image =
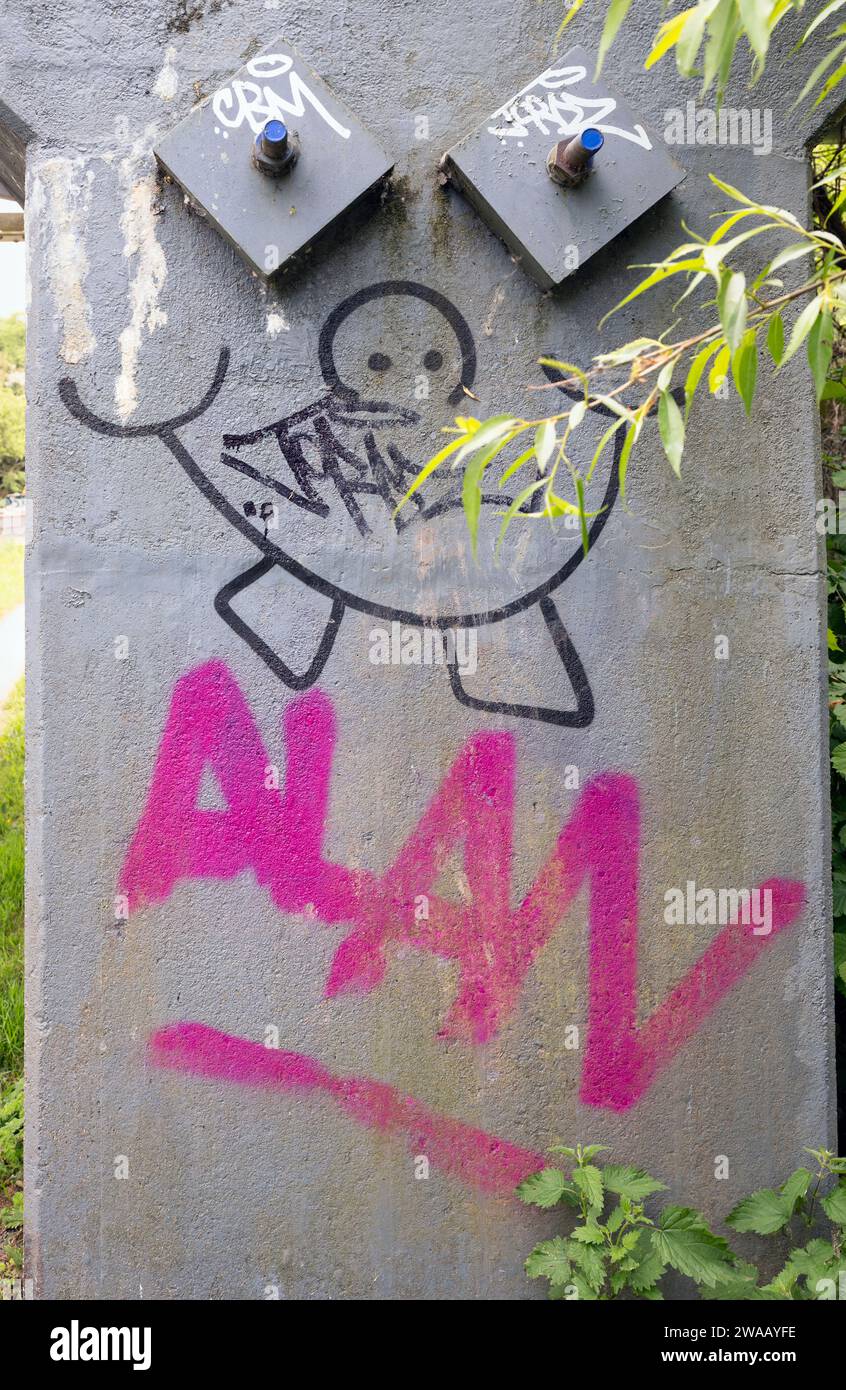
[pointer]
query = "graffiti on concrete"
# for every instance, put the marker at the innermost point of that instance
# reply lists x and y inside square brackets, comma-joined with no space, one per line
[456,1149]
[340,451]
[258,102]
[343,439]
[553,105]
[341,461]
[279,833]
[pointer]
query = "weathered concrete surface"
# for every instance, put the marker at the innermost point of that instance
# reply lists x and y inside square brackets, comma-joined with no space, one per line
[303,1184]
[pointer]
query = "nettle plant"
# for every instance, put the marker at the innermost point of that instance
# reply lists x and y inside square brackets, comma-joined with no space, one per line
[745,311]
[615,1247]
[816,1270]
[837,732]
[616,1250]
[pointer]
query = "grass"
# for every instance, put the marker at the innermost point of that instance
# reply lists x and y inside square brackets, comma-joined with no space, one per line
[11,982]
[11,881]
[11,575]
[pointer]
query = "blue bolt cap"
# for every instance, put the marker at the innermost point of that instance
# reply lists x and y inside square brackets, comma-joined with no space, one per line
[592,139]
[275,132]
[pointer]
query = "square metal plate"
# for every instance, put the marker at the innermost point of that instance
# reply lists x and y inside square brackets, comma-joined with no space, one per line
[501,168]
[272,221]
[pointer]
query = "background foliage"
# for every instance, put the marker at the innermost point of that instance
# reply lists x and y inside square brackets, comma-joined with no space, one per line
[12,404]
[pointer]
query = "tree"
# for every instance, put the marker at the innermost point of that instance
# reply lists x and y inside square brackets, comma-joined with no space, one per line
[12,403]
[12,344]
[744,314]
[12,408]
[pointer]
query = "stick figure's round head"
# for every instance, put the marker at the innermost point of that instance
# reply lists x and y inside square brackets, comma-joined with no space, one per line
[358,361]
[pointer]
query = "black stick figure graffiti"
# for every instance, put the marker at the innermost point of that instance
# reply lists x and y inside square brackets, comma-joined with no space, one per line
[335,444]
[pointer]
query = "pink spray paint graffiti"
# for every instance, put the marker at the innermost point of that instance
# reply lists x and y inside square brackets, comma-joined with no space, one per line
[457,1149]
[279,835]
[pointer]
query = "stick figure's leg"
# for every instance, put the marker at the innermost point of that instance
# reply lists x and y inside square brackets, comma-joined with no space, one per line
[292,679]
[578,718]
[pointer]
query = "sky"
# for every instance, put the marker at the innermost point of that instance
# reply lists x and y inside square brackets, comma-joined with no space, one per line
[12,278]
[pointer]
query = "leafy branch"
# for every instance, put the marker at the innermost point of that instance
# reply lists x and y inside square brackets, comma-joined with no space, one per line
[741,316]
[705,38]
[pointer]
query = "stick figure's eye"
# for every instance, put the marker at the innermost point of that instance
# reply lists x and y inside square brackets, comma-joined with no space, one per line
[433,361]
[378,362]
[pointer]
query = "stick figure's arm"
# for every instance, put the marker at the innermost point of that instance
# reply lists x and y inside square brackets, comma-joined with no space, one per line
[164,428]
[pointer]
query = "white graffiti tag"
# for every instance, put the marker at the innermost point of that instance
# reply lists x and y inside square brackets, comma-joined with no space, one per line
[560,112]
[256,104]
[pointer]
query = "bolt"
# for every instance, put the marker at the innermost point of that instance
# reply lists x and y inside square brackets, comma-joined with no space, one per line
[274,139]
[275,151]
[570,161]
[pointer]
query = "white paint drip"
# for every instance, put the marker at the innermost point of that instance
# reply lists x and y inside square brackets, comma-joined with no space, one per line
[167,83]
[58,204]
[150,271]
[276,324]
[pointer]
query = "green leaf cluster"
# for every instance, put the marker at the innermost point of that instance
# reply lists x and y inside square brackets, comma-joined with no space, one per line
[12,401]
[836,547]
[11,1129]
[615,1246]
[813,1270]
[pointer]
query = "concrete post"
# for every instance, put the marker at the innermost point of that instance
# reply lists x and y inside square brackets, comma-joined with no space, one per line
[331,932]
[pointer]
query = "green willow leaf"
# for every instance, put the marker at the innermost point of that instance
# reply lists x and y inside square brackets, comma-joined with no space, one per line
[744,366]
[820,346]
[833,81]
[668,34]
[625,454]
[733,193]
[572,11]
[617,11]
[719,370]
[570,369]
[775,338]
[731,303]
[723,37]
[518,463]
[474,470]
[690,39]
[429,468]
[658,276]
[514,508]
[821,18]
[580,497]
[802,328]
[601,446]
[697,367]
[671,430]
[545,442]
[783,257]
[488,432]
[754,16]
[822,66]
